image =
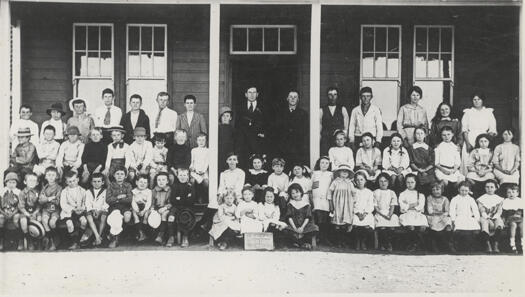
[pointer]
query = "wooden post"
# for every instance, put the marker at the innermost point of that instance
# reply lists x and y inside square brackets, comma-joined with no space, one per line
[5,80]
[520,94]
[315,81]
[213,142]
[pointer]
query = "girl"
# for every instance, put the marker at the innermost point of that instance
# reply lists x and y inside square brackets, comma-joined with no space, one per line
[490,209]
[321,179]
[363,208]
[411,115]
[479,165]
[247,212]
[513,214]
[385,201]
[396,162]
[231,179]
[341,196]
[447,159]
[368,157]
[438,218]
[94,155]
[225,223]
[299,218]
[279,182]
[464,214]
[445,117]
[268,213]
[300,175]
[341,154]
[422,160]
[507,160]
[257,177]
[412,206]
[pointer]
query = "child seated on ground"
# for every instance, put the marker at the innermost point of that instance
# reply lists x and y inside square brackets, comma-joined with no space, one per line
[72,203]
[396,162]
[364,206]
[513,215]
[298,215]
[490,210]
[47,150]
[9,200]
[96,207]
[181,217]
[29,207]
[141,205]
[119,197]
[247,212]
[70,153]
[268,213]
[385,201]
[321,180]
[257,177]
[464,214]
[341,154]
[368,157]
[161,194]
[49,199]
[439,222]
[225,223]
[412,206]
[94,155]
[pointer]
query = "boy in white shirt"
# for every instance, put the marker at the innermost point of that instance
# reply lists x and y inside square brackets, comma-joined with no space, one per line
[141,152]
[108,115]
[200,161]
[119,153]
[24,122]
[47,150]
[56,113]
[70,153]
[72,203]
[96,208]
[141,205]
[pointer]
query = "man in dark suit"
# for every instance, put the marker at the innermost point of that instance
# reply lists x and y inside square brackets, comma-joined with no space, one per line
[251,126]
[136,117]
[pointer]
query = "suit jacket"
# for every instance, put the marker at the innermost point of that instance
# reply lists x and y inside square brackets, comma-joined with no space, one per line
[142,121]
[197,125]
[249,125]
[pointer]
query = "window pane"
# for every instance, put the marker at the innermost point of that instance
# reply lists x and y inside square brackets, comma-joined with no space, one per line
[434,92]
[80,38]
[380,40]
[93,64]
[393,65]
[133,64]
[368,39]
[271,39]
[446,40]
[80,64]
[433,39]
[93,38]
[159,66]
[239,39]
[159,38]
[255,39]
[133,38]
[368,65]
[433,66]
[421,65]
[105,38]
[106,64]
[421,39]
[146,37]
[446,65]
[393,40]
[146,64]
[380,66]
[386,98]
[287,39]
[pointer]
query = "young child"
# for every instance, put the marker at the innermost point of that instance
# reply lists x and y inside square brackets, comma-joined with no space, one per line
[385,202]
[341,196]
[119,197]
[94,155]
[200,161]
[231,179]
[226,136]
[247,212]
[364,206]
[412,206]
[97,207]
[141,204]
[159,155]
[141,153]
[341,154]
[181,216]
[225,223]
[368,158]
[298,215]
[479,165]
[507,160]
[72,203]
[56,113]
[513,214]
[268,213]
[279,182]
[179,153]
[119,153]
[396,162]
[80,119]
[49,199]
[28,206]
[70,153]
[301,175]
[257,177]
[411,115]
[321,180]
[447,159]
[490,210]
[24,122]
[23,157]
[422,160]
[464,214]
[9,200]
[47,150]
[160,196]
[438,219]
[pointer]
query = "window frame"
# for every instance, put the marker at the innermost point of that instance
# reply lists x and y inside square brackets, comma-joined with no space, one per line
[153,51]
[74,50]
[387,26]
[263,52]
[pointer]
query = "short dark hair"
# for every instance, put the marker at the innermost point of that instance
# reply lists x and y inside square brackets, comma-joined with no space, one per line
[108,91]
[26,106]
[142,176]
[202,134]
[365,90]
[71,174]
[332,88]
[480,94]
[162,94]
[293,91]
[417,90]
[190,97]
[295,186]
[120,168]
[446,128]
[50,127]
[97,175]
[135,96]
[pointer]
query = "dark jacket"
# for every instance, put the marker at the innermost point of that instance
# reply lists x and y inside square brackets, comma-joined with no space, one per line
[142,121]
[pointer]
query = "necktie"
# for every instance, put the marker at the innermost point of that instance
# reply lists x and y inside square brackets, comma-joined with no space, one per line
[157,120]
[119,144]
[107,117]
[251,107]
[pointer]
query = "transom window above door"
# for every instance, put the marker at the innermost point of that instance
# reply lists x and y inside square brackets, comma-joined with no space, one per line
[263,39]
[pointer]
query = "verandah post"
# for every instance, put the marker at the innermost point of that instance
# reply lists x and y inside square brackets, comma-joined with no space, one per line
[213,142]
[5,80]
[315,80]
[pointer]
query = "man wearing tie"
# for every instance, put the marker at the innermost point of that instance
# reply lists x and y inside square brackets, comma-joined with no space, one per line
[163,119]
[108,115]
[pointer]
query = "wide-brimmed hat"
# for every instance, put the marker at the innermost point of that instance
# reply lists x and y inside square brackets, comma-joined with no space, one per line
[36,229]
[186,219]
[344,167]
[117,128]
[25,131]
[75,101]
[115,222]
[56,106]
[11,176]
[73,130]
[225,109]
[154,219]
[139,131]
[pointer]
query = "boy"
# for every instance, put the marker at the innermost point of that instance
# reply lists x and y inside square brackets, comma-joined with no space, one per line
[199,168]
[24,122]
[72,203]
[108,115]
[160,195]
[94,155]
[447,159]
[24,155]
[513,214]
[141,152]
[279,181]
[49,199]
[181,213]
[96,208]
[158,157]
[119,197]
[179,154]
[118,152]
[80,119]
[9,200]
[47,150]
[70,152]
[141,205]
[56,113]
[28,206]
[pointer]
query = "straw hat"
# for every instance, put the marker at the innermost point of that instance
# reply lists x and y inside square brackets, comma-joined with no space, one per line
[154,219]
[344,167]
[115,222]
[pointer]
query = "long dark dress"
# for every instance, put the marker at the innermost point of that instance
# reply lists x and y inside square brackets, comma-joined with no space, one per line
[435,132]
[292,141]
[226,144]
[259,178]
[298,216]
[422,158]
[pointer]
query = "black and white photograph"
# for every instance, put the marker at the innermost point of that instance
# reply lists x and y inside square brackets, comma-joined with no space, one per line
[261,147]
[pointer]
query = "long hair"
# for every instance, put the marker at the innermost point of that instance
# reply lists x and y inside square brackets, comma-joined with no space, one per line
[437,116]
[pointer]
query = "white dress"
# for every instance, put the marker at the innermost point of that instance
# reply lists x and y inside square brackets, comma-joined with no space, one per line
[464,213]
[269,213]
[369,157]
[248,224]
[341,155]
[224,218]
[446,154]
[383,200]
[506,155]
[231,179]
[476,122]
[320,184]
[412,215]
[364,203]
[396,159]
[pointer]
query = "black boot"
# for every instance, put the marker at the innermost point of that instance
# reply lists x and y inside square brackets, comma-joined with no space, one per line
[171,234]
[162,230]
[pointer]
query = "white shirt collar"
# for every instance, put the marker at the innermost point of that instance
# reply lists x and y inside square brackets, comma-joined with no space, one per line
[418,145]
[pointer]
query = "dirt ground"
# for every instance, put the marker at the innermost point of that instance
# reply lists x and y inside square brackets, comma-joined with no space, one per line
[198,271]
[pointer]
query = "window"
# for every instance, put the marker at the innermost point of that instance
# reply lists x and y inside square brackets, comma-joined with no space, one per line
[381,67]
[263,39]
[434,64]
[92,61]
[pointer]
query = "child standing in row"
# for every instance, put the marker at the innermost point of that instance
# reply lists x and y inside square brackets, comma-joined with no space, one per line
[119,154]
[119,197]
[141,205]
[49,199]
[69,156]
[490,209]
[385,201]
[268,213]
[23,157]
[422,160]
[447,159]
[341,196]
[479,165]
[28,206]
[161,194]
[412,206]
[9,199]
[141,153]
[438,217]
[72,203]
[181,217]
[247,212]
[225,223]
[321,180]
[464,214]
[364,206]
